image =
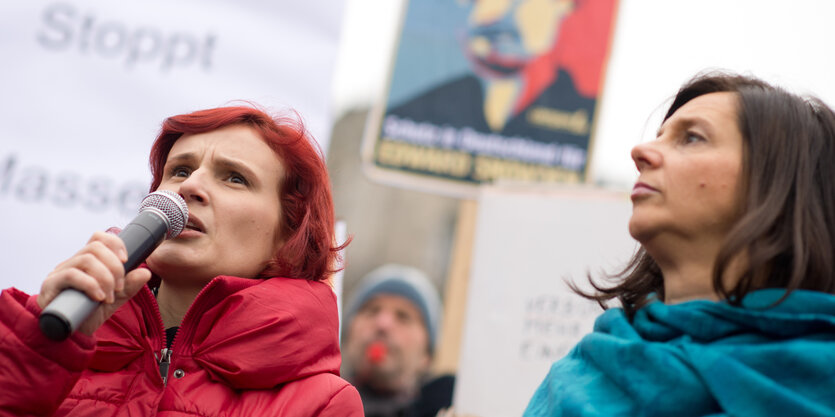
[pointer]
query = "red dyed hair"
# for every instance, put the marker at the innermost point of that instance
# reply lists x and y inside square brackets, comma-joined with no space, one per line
[307,220]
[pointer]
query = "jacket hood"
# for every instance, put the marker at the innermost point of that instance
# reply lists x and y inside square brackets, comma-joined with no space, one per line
[247,333]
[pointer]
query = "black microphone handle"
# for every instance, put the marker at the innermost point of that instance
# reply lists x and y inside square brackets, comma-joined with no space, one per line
[142,236]
[65,313]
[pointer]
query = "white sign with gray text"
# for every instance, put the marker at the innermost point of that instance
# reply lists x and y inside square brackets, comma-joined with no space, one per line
[86,85]
[521,316]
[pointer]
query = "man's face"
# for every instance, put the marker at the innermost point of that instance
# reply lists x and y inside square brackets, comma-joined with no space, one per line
[503,36]
[387,346]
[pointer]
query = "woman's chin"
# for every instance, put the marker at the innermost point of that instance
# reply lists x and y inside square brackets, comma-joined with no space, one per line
[639,230]
[167,263]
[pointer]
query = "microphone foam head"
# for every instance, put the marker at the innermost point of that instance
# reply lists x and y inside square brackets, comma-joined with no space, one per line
[172,207]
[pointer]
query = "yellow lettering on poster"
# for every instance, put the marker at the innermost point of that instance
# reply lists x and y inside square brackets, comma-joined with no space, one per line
[489,169]
[437,161]
[576,122]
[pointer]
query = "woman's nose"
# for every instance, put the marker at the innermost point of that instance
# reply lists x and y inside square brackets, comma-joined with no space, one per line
[193,188]
[646,156]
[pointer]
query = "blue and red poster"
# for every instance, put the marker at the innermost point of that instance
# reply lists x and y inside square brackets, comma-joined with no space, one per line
[483,90]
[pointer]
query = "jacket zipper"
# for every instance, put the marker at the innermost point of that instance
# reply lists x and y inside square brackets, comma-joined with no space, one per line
[164,359]
[165,364]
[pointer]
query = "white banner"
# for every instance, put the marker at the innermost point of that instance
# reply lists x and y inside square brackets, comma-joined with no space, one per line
[521,316]
[86,85]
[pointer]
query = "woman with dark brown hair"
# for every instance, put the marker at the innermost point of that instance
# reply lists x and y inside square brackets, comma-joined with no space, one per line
[727,308]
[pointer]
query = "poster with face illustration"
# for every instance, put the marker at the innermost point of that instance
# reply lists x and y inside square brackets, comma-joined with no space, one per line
[487,90]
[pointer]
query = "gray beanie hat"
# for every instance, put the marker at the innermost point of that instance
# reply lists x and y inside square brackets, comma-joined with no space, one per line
[406,282]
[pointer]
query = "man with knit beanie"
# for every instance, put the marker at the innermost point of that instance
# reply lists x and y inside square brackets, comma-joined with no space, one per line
[391,330]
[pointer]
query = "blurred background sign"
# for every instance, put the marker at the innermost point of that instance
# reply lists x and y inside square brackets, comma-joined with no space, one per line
[520,314]
[489,90]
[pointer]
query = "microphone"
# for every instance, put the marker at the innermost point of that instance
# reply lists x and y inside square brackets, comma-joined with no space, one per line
[162,215]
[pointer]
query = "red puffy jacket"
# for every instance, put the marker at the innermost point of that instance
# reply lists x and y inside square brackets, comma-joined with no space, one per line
[246,347]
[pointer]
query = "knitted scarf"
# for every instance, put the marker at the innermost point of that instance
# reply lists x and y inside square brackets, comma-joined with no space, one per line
[701,358]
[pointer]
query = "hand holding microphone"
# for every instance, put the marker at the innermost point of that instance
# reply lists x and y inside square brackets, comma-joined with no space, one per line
[103,272]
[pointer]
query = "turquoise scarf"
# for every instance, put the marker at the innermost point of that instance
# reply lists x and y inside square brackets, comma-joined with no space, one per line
[701,358]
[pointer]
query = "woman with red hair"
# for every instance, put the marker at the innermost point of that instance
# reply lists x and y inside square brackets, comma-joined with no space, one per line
[231,317]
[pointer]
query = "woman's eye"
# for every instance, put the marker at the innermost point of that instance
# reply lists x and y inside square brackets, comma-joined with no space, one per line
[180,172]
[238,179]
[690,137]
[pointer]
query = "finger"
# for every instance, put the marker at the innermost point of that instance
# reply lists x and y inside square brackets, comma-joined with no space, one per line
[91,264]
[117,245]
[111,261]
[106,239]
[70,278]
[134,281]
[100,259]
[107,247]
[113,242]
